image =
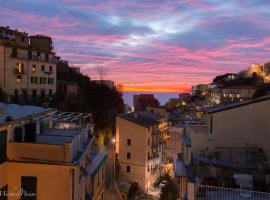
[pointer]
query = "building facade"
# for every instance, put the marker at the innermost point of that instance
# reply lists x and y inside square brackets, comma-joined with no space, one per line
[49,155]
[233,128]
[140,145]
[142,101]
[27,65]
[238,93]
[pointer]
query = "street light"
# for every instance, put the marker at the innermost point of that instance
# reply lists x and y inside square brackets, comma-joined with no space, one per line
[114,142]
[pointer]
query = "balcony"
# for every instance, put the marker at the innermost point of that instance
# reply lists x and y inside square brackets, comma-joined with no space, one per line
[48,72]
[155,144]
[153,160]
[18,71]
[163,127]
[34,57]
[165,137]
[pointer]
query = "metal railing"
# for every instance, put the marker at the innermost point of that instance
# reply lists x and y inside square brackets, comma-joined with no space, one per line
[33,57]
[205,192]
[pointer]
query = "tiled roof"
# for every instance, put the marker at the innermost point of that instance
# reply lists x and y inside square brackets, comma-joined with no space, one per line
[145,119]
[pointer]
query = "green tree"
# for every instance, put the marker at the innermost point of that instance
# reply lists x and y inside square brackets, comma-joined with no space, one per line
[102,102]
[169,191]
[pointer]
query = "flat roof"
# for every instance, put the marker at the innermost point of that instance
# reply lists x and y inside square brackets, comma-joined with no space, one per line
[17,111]
[224,107]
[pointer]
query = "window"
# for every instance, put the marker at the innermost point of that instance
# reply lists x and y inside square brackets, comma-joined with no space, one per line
[29,186]
[4,193]
[42,80]
[50,92]
[50,80]
[19,79]
[46,57]
[42,93]
[148,155]
[16,92]
[14,52]
[51,69]
[211,124]
[30,55]
[3,146]
[19,68]
[34,79]
[42,68]
[128,155]
[34,94]
[34,68]
[128,142]
[128,169]
[38,55]
[148,142]
[24,93]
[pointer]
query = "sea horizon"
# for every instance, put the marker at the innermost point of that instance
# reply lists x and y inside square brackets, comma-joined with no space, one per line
[162,97]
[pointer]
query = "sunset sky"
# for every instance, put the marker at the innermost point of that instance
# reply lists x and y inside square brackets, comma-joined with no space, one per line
[149,44]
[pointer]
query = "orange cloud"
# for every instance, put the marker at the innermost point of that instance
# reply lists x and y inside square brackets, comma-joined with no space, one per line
[144,89]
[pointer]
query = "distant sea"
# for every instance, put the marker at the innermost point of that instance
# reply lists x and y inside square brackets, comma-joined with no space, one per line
[162,97]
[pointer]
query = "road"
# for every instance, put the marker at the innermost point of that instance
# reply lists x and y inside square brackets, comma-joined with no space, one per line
[110,193]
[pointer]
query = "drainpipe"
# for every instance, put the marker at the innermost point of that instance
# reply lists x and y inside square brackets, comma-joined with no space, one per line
[4,66]
[72,184]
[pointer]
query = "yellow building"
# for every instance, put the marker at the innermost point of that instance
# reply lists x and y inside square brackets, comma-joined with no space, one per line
[48,154]
[235,130]
[140,145]
[174,143]
[27,65]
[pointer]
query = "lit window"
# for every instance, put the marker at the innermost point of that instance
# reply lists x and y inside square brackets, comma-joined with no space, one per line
[19,79]
[19,67]
[34,68]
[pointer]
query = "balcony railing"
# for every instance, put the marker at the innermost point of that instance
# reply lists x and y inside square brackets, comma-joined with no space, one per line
[34,57]
[165,137]
[18,71]
[155,144]
[205,192]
